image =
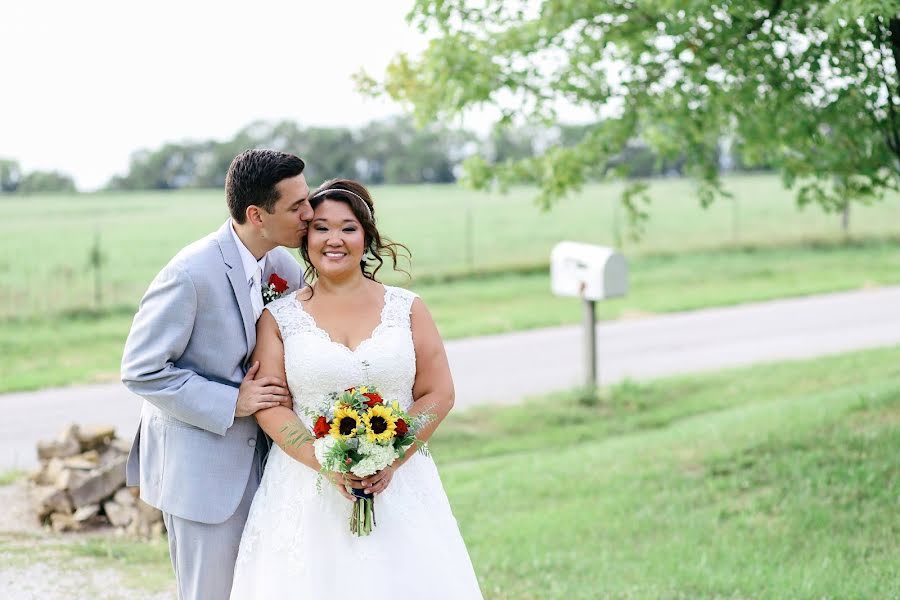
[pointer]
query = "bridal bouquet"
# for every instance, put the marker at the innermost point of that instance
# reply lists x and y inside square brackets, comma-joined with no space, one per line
[358,432]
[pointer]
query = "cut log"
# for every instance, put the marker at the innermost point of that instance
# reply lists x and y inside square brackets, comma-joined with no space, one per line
[99,484]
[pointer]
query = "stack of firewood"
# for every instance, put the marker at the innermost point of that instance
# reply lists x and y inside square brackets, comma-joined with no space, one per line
[81,484]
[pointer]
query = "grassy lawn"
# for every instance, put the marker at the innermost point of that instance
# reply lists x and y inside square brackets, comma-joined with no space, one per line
[86,347]
[491,280]
[45,248]
[661,283]
[776,481]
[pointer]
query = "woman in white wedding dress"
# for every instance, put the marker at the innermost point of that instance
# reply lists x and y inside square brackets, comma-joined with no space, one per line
[348,330]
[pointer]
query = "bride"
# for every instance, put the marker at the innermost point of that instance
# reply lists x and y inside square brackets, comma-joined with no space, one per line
[348,330]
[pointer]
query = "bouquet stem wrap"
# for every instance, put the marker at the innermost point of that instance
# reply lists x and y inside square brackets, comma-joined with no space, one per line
[362,517]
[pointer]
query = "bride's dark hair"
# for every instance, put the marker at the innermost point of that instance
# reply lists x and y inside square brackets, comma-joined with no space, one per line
[357,197]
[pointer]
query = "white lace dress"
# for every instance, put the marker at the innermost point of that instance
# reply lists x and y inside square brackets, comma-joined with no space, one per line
[297,542]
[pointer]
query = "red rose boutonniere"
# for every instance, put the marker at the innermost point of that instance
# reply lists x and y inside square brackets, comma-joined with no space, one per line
[274,289]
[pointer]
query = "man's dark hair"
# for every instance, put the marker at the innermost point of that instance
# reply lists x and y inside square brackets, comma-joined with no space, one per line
[252,178]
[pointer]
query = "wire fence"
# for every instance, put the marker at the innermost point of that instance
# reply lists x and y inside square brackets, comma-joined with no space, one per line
[78,256]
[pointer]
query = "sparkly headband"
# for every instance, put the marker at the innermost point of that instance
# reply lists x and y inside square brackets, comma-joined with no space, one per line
[354,194]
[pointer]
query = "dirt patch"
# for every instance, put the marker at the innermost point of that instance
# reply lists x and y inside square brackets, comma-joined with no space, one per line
[35,563]
[16,515]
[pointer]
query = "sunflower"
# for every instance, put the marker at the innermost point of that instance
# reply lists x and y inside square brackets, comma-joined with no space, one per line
[381,424]
[345,423]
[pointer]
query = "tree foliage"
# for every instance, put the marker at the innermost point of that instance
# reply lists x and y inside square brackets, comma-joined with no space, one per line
[14,180]
[809,87]
[35,182]
[389,151]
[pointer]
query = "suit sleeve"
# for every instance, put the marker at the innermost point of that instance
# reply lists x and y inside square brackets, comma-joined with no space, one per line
[159,334]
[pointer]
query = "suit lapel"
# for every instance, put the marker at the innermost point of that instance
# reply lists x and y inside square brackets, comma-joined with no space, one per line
[239,283]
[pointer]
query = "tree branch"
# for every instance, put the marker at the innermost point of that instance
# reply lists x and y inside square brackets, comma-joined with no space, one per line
[894,28]
[776,6]
[893,133]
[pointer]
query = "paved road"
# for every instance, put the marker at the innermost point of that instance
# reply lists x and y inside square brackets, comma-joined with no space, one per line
[505,368]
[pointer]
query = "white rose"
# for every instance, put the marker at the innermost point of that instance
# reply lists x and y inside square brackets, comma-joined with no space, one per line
[322,447]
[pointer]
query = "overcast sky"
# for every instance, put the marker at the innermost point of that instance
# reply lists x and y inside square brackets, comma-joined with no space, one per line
[86,83]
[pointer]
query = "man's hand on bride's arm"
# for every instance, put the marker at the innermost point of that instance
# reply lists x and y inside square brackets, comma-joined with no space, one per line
[279,421]
[262,393]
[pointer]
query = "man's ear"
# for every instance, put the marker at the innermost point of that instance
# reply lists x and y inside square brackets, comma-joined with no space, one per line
[252,215]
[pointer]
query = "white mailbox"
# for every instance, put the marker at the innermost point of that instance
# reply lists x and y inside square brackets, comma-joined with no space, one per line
[587,271]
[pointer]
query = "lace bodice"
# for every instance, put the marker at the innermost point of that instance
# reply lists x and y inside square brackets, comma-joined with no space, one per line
[316,365]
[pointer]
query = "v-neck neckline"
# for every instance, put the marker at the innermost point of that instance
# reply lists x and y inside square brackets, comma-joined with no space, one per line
[327,335]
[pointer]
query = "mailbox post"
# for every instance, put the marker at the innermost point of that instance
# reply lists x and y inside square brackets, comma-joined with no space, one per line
[590,344]
[591,273]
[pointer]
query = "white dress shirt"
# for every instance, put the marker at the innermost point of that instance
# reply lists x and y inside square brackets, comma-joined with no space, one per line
[253,269]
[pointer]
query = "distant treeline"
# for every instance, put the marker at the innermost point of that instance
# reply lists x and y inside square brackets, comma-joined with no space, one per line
[391,151]
[14,180]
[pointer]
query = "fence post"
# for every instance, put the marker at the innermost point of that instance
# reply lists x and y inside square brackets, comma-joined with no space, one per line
[735,221]
[845,218]
[95,259]
[617,231]
[470,238]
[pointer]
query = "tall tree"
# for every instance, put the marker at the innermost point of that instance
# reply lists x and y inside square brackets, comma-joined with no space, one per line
[809,87]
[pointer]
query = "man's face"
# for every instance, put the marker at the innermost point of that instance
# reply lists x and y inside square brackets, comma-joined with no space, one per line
[287,223]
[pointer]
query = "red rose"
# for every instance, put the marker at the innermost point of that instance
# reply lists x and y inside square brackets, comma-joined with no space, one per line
[322,427]
[278,283]
[402,427]
[373,399]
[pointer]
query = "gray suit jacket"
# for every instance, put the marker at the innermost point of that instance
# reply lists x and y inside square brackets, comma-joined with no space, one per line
[186,355]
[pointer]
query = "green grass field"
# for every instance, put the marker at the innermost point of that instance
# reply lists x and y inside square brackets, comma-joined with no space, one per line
[45,243]
[50,333]
[87,347]
[777,481]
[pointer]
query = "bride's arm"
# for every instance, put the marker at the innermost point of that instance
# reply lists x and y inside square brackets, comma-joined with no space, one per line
[279,421]
[433,388]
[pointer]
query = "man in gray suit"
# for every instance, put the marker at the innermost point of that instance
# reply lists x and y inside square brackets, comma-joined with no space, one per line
[198,453]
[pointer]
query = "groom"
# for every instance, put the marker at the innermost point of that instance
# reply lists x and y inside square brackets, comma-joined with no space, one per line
[198,452]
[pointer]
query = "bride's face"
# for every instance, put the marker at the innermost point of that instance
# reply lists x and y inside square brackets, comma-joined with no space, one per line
[335,239]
